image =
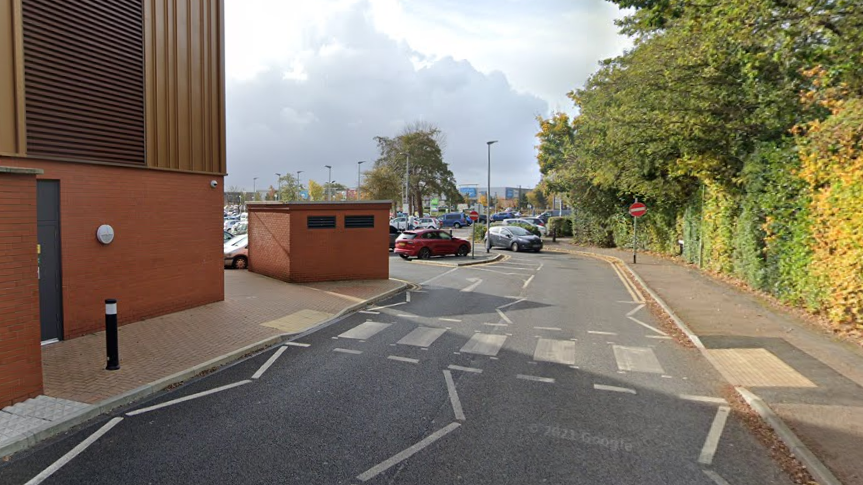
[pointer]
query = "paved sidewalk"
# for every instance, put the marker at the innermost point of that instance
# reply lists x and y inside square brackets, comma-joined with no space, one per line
[811,380]
[155,353]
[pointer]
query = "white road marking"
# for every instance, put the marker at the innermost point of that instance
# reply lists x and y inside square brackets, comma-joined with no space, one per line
[528,281]
[660,332]
[407,297]
[496,324]
[187,398]
[597,332]
[465,369]
[502,315]
[707,399]
[364,330]
[368,312]
[717,479]
[638,359]
[449,320]
[667,377]
[438,276]
[268,363]
[407,315]
[540,267]
[511,303]
[472,286]
[709,448]
[603,387]
[453,396]
[387,306]
[484,344]
[556,351]
[557,329]
[422,336]
[297,344]
[404,455]
[73,452]
[347,351]
[662,337]
[493,271]
[632,312]
[547,380]
[403,359]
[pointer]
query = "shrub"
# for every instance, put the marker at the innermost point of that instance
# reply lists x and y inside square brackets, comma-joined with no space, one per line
[562,225]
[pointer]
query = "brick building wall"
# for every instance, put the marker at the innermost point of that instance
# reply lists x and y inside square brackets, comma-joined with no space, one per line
[20,349]
[308,255]
[167,252]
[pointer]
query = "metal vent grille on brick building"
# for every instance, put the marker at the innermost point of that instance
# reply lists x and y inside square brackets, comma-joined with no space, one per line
[358,222]
[321,222]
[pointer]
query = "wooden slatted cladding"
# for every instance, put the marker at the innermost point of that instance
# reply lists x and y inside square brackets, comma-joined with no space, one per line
[184,58]
[84,79]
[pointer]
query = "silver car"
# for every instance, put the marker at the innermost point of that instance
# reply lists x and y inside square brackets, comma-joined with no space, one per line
[530,221]
[237,252]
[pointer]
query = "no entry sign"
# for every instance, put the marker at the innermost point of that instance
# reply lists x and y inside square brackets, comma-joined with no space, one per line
[637,209]
[474,216]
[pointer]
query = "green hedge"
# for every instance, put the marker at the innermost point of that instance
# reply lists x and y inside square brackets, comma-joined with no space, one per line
[563,226]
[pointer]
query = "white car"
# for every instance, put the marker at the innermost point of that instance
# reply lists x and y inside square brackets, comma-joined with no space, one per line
[543,231]
[400,223]
[426,223]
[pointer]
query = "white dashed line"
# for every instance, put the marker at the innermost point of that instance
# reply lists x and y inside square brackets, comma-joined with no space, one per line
[496,324]
[602,387]
[297,344]
[717,479]
[528,281]
[661,337]
[268,363]
[347,351]
[465,369]
[404,455]
[403,359]
[632,312]
[449,320]
[369,312]
[74,452]
[547,380]
[707,399]
[597,332]
[186,398]
[502,315]
[712,441]
[557,329]
[453,396]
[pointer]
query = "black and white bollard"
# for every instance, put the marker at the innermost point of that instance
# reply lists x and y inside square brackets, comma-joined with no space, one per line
[111,337]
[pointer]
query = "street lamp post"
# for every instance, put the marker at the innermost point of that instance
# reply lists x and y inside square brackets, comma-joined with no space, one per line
[279,183]
[329,181]
[358,177]
[488,200]
[299,185]
[254,190]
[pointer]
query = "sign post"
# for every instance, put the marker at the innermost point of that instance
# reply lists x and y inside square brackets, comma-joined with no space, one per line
[474,216]
[636,210]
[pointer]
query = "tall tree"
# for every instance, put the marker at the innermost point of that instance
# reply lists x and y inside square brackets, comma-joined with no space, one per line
[316,191]
[420,143]
[290,188]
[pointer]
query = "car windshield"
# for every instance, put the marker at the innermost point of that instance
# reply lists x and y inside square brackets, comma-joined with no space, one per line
[519,231]
[407,235]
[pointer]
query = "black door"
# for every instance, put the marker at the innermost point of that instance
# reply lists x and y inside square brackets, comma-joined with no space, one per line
[50,287]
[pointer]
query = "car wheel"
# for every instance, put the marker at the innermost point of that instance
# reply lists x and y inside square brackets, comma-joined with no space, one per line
[240,262]
[457,225]
[514,247]
[462,250]
[425,253]
[404,256]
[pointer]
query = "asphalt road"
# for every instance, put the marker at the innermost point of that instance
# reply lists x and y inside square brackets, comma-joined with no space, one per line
[524,371]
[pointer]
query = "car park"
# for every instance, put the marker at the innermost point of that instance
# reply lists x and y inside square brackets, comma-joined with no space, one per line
[455,219]
[237,252]
[530,221]
[426,243]
[513,237]
[502,216]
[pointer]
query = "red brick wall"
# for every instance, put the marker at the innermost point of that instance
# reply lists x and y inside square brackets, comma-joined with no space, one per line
[270,253]
[319,254]
[167,251]
[20,350]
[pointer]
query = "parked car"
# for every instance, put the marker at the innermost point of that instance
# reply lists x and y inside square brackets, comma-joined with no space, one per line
[394,234]
[455,219]
[531,221]
[426,223]
[513,237]
[502,216]
[555,213]
[401,223]
[239,228]
[228,236]
[426,243]
[237,252]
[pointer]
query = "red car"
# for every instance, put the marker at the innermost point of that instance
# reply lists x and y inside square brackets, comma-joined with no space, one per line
[426,243]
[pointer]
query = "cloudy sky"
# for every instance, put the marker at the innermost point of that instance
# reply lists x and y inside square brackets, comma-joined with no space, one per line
[311,83]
